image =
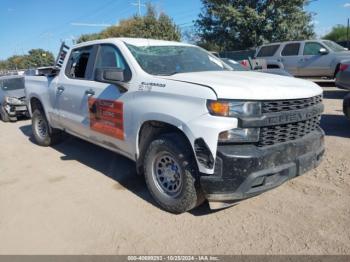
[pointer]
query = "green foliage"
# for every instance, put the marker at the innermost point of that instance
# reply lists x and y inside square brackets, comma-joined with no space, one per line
[148,26]
[34,58]
[243,24]
[338,33]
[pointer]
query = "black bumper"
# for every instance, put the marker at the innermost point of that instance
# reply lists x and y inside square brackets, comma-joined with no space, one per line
[243,171]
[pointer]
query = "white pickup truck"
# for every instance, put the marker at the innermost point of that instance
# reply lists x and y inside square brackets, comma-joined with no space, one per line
[195,128]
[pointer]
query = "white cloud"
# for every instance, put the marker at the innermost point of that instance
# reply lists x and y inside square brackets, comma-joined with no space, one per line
[346,5]
[315,22]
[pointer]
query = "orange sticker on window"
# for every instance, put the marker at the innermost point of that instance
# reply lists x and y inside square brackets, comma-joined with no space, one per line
[106,117]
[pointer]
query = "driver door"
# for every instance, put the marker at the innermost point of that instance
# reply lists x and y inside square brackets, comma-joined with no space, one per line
[313,62]
[106,114]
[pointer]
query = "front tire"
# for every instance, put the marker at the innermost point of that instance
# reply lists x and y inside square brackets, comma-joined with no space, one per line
[43,133]
[3,114]
[171,174]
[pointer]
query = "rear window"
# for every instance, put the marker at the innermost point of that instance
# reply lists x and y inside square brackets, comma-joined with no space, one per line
[291,49]
[269,50]
[12,84]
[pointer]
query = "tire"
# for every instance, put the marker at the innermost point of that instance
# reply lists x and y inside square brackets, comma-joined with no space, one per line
[171,174]
[336,71]
[44,134]
[4,116]
[346,107]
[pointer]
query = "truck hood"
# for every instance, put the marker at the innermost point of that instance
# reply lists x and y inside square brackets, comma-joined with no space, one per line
[249,85]
[17,93]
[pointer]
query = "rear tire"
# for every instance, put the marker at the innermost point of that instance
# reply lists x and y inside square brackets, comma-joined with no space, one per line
[336,71]
[346,106]
[3,114]
[171,174]
[43,133]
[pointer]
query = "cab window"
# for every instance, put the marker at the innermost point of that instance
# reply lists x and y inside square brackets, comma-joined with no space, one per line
[312,48]
[291,49]
[78,63]
[110,57]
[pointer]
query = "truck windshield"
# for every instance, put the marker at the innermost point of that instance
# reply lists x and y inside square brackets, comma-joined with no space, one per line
[170,60]
[12,84]
[334,46]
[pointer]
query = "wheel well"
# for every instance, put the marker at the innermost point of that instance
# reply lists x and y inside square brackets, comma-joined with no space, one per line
[35,104]
[148,132]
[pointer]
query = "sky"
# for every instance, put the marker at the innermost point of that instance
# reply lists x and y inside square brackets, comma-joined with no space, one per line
[28,24]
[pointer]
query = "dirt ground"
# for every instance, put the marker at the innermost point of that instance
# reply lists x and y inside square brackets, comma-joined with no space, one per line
[77,198]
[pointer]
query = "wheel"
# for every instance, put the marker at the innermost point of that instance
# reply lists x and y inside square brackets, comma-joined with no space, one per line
[346,106]
[171,174]
[3,114]
[43,133]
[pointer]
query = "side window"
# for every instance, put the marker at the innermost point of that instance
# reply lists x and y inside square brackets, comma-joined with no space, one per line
[13,83]
[312,48]
[269,50]
[110,57]
[78,62]
[291,49]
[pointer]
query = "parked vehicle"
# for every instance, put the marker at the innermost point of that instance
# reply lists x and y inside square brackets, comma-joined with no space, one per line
[343,75]
[196,129]
[238,67]
[12,98]
[311,58]
[346,106]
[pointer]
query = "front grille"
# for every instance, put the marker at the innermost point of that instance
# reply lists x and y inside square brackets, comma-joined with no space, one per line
[270,135]
[284,133]
[288,105]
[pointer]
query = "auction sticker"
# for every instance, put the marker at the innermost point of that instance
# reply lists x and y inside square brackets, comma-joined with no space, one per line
[106,117]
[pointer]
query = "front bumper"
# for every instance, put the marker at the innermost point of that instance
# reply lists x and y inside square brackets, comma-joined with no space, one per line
[244,171]
[16,110]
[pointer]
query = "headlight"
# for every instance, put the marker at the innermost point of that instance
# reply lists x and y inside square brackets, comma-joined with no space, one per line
[234,108]
[240,135]
[13,101]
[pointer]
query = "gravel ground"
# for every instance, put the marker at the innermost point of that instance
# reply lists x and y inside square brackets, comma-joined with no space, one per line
[77,198]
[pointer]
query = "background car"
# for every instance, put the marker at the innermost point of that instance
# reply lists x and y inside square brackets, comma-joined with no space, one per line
[343,76]
[311,58]
[239,67]
[12,98]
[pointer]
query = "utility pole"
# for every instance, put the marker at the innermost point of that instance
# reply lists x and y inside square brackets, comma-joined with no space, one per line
[347,34]
[139,5]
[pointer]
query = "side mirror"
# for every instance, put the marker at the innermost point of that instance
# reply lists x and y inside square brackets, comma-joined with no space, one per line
[112,75]
[323,51]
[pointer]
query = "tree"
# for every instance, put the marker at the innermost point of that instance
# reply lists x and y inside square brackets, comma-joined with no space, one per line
[148,26]
[39,57]
[338,33]
[34,58]
[243,24]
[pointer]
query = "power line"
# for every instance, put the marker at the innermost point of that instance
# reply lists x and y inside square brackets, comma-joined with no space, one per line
[139,5]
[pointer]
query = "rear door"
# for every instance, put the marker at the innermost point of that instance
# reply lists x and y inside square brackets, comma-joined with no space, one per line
[72,90]
[290,57]
[313,63]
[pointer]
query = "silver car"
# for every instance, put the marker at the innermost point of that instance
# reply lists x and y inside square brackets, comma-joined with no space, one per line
[12,98]
[311,58]
[343,75]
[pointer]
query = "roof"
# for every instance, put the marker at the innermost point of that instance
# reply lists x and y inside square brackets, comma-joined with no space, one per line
[135,42]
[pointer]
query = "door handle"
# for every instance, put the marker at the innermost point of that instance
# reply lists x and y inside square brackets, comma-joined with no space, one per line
[90,92]
[60,89]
